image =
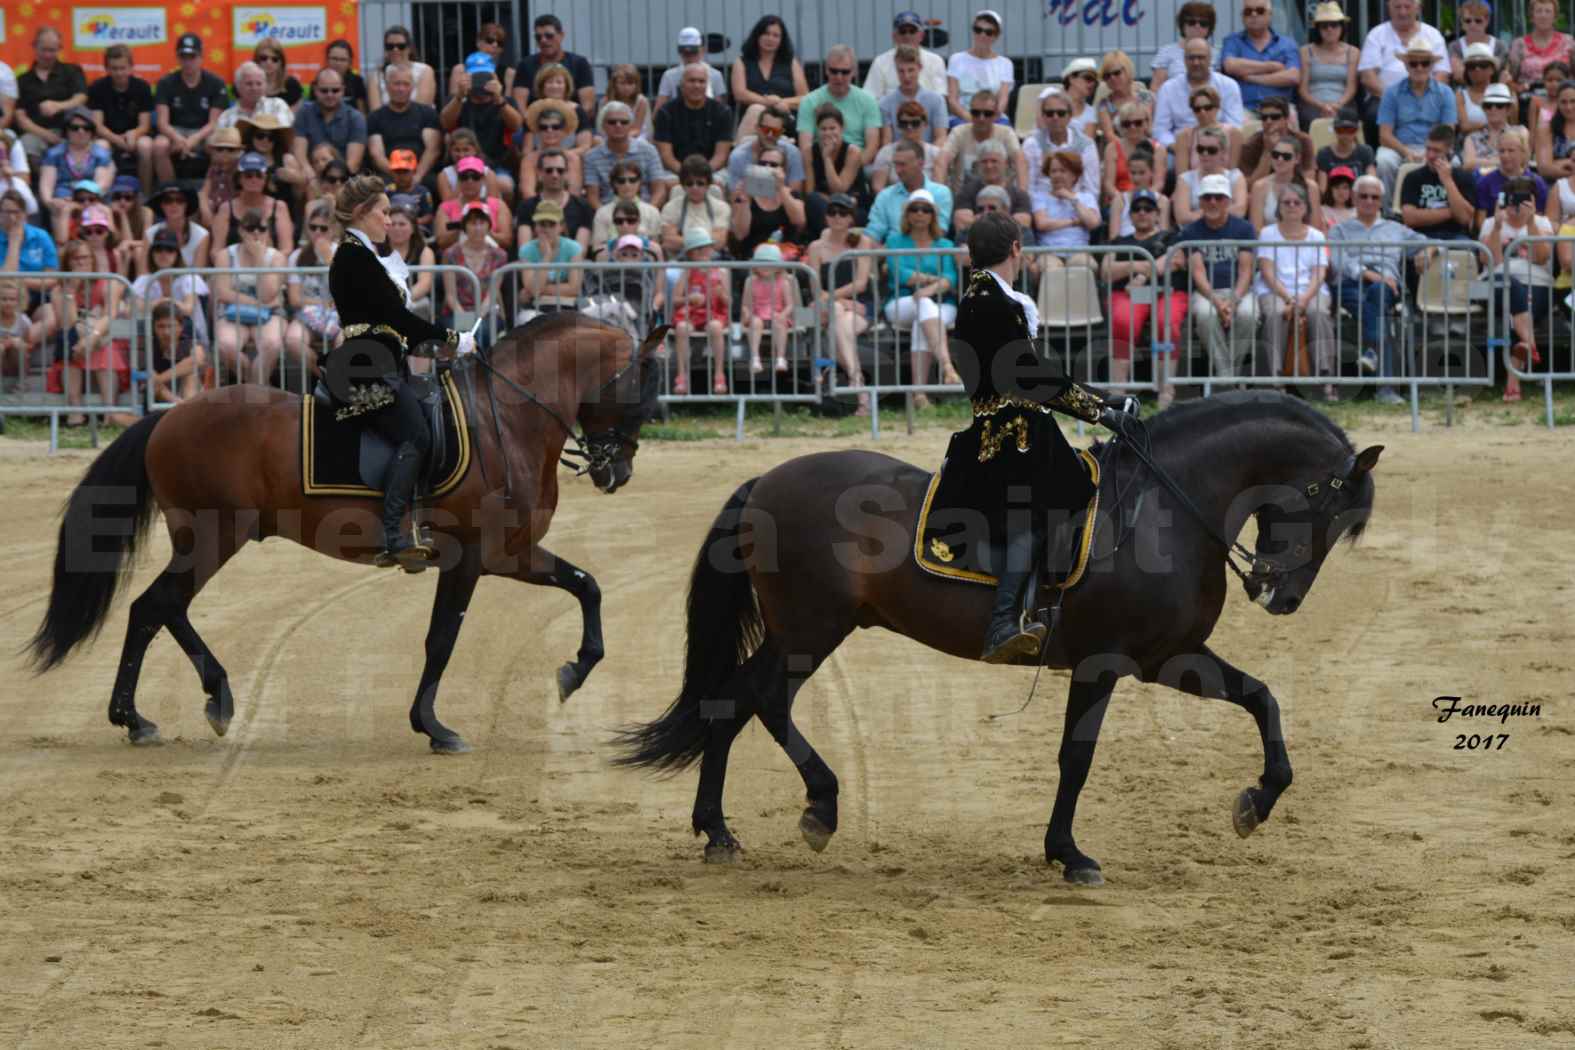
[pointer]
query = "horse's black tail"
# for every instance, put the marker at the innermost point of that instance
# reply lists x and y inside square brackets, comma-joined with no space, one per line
[724,629]
[103,524]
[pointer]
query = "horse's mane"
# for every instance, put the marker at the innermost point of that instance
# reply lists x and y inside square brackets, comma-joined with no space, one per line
[547,324]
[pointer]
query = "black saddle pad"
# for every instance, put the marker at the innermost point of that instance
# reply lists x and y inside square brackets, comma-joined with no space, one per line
[954,542]
[346,458]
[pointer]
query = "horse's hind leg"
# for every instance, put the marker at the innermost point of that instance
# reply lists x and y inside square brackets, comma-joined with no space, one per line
[149,613]
[795,664]
[725,716]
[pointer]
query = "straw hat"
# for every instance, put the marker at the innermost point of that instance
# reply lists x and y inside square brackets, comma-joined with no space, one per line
[1329,11]
[283,134]
[571,119]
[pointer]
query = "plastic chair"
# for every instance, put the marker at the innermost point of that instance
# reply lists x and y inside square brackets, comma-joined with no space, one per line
[1069,298]
[1405,169]
[1321,131]
[1026,117]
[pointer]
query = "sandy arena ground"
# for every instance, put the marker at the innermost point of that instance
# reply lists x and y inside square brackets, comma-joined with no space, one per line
[317,879]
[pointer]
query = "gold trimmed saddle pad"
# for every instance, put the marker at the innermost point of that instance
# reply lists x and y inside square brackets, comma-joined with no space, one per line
[954,542]
[347,458]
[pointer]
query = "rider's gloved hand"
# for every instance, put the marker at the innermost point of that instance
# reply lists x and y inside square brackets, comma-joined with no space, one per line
[467,343]
[1113,419]
[1131,406]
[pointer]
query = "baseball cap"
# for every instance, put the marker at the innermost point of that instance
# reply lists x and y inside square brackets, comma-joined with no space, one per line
[188,44]
[1347,118]
[1343,171]
[480,208]
[1144,197]
[126,184]
[1214,186]
[547,210]
[471,164]
[253,162]
[843,200]
[479,62]
[166,238]
[907,18]
[629,240]
[79,113]
[402,160]
[919,197]
[95,215]
[689,36]
[87,186]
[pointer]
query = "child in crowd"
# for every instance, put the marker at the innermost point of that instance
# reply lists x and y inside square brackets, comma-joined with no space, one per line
[176,361]
[1545,102]
[462,143]
[476,252]
[1345,151]
[406,192]
[629,296]
[1337,197]
[1141,165]
[702,301]
[16,337]
[768,300]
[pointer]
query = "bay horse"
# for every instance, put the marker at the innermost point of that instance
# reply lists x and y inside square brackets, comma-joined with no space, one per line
[824,543]
[224,468]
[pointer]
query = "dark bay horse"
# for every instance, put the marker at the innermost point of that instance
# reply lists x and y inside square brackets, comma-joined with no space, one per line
[823,544]
[224,467]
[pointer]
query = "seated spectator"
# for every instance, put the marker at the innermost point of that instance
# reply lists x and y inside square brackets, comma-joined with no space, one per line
[176,207]
[403,124]
[8,95]
[277,81]
[328,116]
[860,112]
[454,214]
[693,125]
[252,99]
[188,103]
[909,91]
[1530,55]
[1556,137]
[1079,81]
[248,301]
[845,296]
[1211,149]
[955,164]
[690,53]
[1255,150]
[272,141]
[251,197]
[477,252]
[835,165]
[25,248]
[331,174]
[1134,135]
[1225,316]
[1481,152]
[625,202]
[1122,90]
[406,240]
[15,172]
[184,292]
[218,186]
[315,327]
[907,167]
[1474,17]
[1264,63]
[47,95]
[1367,258]
[399,50]
[1339,197]
[551,185]
[1525,270]
[1481,73]
[978,68]
[1173,110]
[768,301]
[1544,105]
[122,108]
[1194,21]
[1383,62]
[626,218]
[778,217]
[131,222]
[696,208]
[1512,158]
[548,245]
[175,360]
[1437,198]
[1205,103]
[19,339]
[1345,151]
[1263,207]
[619,144]
[912,126]
[404,191]
[1054,133]
[1561,210]
[921,290]
[96,229]
[1128,317]
[1290,286]
[884,76]
[628,296]
[339,56]
[623,85]
[554,126]
[491,40]
[462,143]
[548,32]
[1409,110]
[64,165]
[1144,177]
[766,74]
[1065,216]
[553,83]
[482,107]
[770,130]
[83,309]
[990,172]
[702,302]
[1328,80]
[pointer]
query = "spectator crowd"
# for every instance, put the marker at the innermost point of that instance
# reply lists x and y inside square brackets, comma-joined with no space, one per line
[1347,163]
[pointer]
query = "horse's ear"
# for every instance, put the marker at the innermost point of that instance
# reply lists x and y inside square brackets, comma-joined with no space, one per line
[1366,460]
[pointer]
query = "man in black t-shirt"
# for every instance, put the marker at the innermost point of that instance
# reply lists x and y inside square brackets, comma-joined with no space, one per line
[1346,151]
[1436,200]
[478,104]
[1129,318]
[122,107]
[693,124]
[187,103]
[549,39]
[403,124]
[46,95]
[552,170]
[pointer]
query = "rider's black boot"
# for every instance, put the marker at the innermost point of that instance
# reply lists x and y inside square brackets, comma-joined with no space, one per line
[413,549]
[1008,637]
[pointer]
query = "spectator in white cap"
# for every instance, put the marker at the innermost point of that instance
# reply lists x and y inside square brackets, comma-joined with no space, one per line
[1474,17]
[767,302]
[1481,149]
[1055,132]
[1383,61]
[702,300]
[691,51]
[1479,70]
[1410,109]
[978,68]
[1080,80]
[1225,315]
[907,30]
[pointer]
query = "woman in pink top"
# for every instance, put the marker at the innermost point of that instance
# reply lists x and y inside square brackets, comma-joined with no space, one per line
[1530,55]
[769,302]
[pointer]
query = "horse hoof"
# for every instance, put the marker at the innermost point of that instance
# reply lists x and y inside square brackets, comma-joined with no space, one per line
[723,853]
[1244,816]
[814,830]
[219,724]
[568,681]
[146,735]
[1084,877]
[450,745]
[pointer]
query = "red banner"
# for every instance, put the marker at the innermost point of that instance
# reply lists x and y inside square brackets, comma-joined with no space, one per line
[229,33]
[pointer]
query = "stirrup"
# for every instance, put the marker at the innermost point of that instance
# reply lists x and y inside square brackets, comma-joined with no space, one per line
[1027,641]
[410,553]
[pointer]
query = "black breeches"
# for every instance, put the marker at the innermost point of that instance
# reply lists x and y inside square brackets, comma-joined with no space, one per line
[404,421]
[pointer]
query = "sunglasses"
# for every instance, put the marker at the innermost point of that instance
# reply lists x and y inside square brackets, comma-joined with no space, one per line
[1111,74]
[1208,151]
[626,180]
[253,174]
[125,196]
[261,134]
[1480,64]
[555,125]
[981,114]
[1246,11]
[910,124]
[921,209]
[627,220]
[986,30]
[833,71]
[1056,112]
[270,59]
[768,130]
[1277,155]
[1204,107]
[95,231]
[164,248]
[545,222]
[1138,208]
[1495,105]
[317,227]
[1200,23]
[1420,63]
[836,211]
[770,164]
[554,171]
[224,149]
[254,229]
[690,184]
[1271,114]
[83,198]
[470,176]
[1214,197]
[904,30]
[615,121]
[989,207]
[396,45]
[1138,123]
[79,127]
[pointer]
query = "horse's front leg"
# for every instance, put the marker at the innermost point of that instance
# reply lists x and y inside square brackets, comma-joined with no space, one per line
[546,569]
[455,587]
[1085,713]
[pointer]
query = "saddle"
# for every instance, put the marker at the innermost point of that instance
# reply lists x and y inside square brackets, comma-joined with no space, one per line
[348,458]
[957,543]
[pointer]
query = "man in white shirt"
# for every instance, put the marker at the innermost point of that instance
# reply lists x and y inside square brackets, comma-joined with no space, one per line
[1173,106]
[9,92]
[1382,64]
[906,29]
[1056,134]
[690,52]
[252,101]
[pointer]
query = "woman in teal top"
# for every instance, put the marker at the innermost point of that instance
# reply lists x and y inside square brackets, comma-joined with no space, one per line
[561,287]
[923,289]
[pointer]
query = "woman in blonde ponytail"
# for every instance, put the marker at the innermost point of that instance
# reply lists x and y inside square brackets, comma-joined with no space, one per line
[368,373]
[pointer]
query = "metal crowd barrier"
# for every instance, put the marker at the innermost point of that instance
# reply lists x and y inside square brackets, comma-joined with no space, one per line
[30,396]
[1551,324]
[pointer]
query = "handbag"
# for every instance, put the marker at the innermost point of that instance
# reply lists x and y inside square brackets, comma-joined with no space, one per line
[247,313]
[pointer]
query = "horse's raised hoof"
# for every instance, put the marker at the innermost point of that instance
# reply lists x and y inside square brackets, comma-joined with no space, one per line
[450,745]
[814,830]
[568,681]
[1085,876]
[1244,816]
[723,852]
[144,735]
